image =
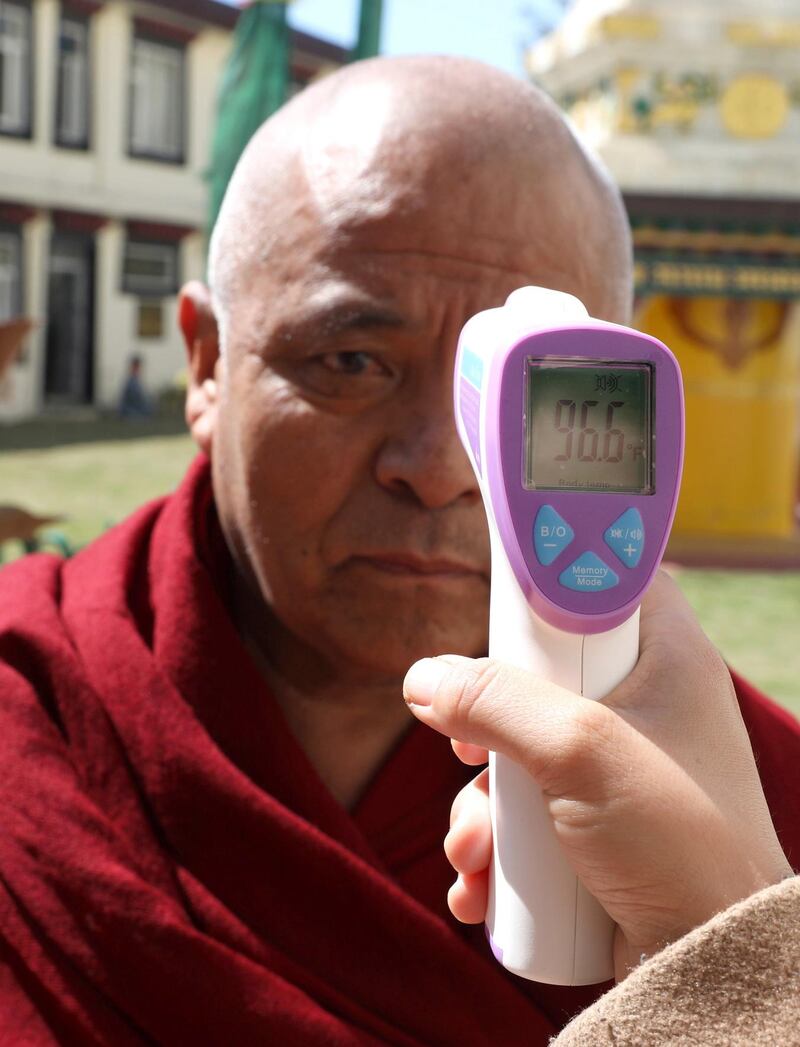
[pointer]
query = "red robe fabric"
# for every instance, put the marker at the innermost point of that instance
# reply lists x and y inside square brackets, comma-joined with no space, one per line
[173,871]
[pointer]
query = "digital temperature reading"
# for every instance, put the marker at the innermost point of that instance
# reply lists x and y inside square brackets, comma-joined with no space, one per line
[588,427]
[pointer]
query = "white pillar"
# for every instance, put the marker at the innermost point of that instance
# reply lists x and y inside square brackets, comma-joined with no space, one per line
[193,257]
[111,45]
[112,331]
[21,393]
[45,69]
[36,250]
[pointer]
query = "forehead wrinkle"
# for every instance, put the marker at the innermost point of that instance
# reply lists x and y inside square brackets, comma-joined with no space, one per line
[474,267]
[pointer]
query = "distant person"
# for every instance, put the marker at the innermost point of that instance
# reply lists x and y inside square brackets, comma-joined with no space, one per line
[134,401]
[219,821]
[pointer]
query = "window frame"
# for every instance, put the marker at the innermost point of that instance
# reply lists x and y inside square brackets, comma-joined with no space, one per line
[58,137]
[25,129]
[15,232]
[142,290]
[137,153]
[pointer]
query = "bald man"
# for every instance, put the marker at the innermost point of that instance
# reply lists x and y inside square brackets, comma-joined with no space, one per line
[220,822]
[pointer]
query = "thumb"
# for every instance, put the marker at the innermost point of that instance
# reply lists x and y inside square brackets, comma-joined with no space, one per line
[502,708]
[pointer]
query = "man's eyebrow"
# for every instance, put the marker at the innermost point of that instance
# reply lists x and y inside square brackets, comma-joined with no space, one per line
[350,316]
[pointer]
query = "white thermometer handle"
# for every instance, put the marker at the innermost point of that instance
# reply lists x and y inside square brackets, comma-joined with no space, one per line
[544,924]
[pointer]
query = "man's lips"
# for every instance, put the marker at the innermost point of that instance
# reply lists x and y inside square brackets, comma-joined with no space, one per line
[420,567]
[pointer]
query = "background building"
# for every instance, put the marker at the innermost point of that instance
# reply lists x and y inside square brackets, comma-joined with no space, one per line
[695,106]
[106,115]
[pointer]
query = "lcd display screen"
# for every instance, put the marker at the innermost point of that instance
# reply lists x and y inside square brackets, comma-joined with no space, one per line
[588,427]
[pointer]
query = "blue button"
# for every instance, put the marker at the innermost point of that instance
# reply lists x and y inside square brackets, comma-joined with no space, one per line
[588,574]
[551,535]
[626,537]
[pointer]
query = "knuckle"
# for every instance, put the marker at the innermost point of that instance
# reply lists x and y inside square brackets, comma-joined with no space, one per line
[586,734]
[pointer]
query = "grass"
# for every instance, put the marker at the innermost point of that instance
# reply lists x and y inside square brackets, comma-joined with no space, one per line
[96,472]
[754,619]
[93,484]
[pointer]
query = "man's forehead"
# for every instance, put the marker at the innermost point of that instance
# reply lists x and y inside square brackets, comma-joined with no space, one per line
[408,291]
[343,159]
[374,150]
[367,168]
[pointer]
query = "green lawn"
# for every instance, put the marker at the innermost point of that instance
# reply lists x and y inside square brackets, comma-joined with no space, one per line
[753,617]
[93,484]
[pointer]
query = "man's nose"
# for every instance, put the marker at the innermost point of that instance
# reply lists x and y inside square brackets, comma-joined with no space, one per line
[422,456]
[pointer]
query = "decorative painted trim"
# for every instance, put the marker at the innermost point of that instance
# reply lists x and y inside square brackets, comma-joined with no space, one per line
[726,212]
[767,33]
[81,8]
[716,240]
[736,346]
[78,221]
[166,31]
[689,275]
[159,231]
[17,214]
[632,27]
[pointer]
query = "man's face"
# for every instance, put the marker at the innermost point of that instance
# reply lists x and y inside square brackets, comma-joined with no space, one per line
[342,486]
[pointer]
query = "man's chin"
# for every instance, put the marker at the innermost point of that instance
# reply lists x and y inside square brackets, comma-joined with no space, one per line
[392,663]
[388,643]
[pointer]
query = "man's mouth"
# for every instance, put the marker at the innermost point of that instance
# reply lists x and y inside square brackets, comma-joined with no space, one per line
[420,567]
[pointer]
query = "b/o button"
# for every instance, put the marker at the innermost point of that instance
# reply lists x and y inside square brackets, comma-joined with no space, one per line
[551,535]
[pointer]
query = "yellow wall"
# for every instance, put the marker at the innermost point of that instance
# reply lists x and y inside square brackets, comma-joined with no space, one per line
[741,371]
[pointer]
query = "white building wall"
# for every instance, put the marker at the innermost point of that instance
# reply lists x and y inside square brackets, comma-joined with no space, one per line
[105,181]
[164,359]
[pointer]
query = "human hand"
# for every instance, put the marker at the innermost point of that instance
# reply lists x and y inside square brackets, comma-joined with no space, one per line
[653,792]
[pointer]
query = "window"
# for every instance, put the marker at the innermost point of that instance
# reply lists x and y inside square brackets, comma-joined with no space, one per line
[150,319]
[150,269]
[15,61]
[10,304]
[157,100]
[72,108]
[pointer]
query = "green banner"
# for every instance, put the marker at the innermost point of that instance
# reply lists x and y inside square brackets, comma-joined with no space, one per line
[254,84]
[369,30]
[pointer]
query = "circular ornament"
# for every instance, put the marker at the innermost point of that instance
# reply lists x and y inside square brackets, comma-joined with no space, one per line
[754,105]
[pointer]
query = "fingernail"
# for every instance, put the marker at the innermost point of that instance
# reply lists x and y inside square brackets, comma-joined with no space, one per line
[423,679]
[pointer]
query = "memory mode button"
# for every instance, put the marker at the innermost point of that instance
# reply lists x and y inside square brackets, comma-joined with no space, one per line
[588,574]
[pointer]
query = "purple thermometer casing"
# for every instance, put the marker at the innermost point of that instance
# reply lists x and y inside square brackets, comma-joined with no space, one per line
[492,393]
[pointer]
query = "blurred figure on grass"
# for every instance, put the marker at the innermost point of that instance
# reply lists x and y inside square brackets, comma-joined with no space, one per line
[134,403]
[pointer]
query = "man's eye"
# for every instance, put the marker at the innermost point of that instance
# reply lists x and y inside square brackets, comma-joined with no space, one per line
[348,375]
[352,363]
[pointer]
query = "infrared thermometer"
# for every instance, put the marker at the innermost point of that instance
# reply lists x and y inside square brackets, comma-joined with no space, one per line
[574,428]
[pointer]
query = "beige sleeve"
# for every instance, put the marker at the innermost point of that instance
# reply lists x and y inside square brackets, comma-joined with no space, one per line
[734,982]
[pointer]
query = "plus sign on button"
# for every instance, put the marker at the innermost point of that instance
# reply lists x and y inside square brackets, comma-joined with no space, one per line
[625,537]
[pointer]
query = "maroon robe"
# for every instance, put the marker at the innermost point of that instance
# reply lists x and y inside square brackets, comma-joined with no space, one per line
[172,869]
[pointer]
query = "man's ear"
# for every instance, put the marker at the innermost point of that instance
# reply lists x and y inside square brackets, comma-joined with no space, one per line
[200,333]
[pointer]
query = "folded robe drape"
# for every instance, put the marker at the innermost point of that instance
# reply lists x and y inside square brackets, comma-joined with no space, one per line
[173,871]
